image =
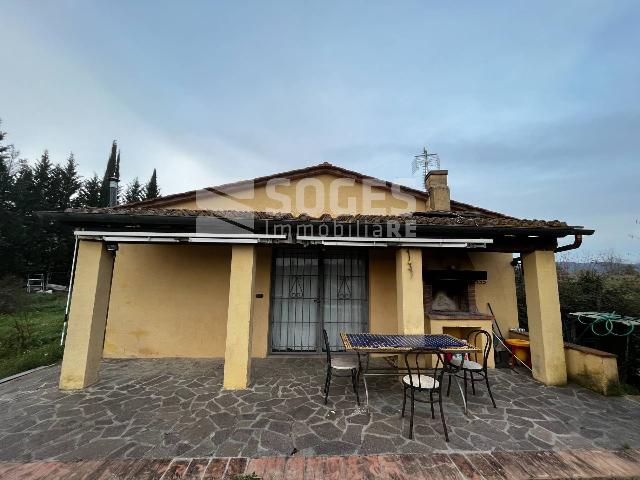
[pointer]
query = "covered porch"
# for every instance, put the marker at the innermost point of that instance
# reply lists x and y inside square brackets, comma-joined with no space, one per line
[131,268]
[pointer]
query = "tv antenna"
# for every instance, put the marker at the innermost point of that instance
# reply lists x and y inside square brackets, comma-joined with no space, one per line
[425,161]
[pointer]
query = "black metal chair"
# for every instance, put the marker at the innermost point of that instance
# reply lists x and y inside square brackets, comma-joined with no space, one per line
[340,364]
[471,366]
[422,379]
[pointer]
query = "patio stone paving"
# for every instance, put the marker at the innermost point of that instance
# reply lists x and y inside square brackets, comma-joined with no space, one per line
[175,407]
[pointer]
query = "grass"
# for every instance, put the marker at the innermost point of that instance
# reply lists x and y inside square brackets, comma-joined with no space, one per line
[41,323]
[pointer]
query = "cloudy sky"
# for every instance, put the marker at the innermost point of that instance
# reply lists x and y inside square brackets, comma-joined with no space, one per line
[533,107]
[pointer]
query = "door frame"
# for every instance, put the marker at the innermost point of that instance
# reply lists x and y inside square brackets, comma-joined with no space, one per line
[321,300]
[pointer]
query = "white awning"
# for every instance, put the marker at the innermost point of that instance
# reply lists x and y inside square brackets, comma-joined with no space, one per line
[238,238]
[398,241]
[161,237]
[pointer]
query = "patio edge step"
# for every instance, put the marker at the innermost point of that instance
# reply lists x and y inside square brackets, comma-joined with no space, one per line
[560,464]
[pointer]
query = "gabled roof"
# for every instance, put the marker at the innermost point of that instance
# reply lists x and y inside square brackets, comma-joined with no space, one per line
[468,219]
[322,168]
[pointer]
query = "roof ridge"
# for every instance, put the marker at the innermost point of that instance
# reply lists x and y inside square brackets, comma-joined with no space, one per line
[299,172]
[264,178]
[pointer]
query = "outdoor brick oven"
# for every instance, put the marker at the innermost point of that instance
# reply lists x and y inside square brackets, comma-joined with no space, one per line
[449,298]
[452,293]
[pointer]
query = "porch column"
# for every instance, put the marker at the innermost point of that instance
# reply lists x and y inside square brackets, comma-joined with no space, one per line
[409,291]
[543,312]
[237,356]
[87,316]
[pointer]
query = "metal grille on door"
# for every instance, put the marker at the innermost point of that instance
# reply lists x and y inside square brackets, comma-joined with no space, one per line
[314,289]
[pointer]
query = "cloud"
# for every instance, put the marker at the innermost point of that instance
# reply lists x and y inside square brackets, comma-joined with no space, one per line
[532,107]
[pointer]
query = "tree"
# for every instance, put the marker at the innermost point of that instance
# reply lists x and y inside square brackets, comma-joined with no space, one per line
[4,149]
[42,182]
[25,197]
[7,215]
[27,242]
[6,175]
[22,230]
[89,195]
[134,192]
[69,183]
[151,190]
[113,167]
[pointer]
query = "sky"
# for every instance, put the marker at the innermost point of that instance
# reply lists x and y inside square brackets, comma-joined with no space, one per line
[533,107]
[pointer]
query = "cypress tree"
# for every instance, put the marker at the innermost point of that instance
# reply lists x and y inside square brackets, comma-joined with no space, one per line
[109,172]
[151,190]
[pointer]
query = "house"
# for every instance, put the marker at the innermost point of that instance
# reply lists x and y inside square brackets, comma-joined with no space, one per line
[259,267]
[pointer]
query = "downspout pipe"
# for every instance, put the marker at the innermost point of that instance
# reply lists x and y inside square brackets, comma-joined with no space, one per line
[577,241]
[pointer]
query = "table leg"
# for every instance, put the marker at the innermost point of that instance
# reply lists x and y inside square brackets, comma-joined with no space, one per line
[364,380]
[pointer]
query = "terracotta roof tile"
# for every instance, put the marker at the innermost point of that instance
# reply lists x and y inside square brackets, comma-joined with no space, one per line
[477,219]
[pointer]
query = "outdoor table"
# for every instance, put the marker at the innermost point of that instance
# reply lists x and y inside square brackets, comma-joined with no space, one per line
[367,343]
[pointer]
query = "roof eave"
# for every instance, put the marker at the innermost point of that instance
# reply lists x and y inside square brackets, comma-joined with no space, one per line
[163,221]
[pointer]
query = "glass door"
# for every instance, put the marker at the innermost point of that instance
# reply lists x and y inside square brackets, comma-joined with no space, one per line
[314,289]
[344,297]
[294,301]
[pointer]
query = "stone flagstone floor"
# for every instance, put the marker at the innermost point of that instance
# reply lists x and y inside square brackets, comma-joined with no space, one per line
[169,408]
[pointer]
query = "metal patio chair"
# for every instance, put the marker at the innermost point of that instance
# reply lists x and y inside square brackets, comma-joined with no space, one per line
[470,366]
[420,379]
[340,364]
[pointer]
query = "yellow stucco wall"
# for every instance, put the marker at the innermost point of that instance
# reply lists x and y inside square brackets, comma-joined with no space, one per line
[168,301]
[382,291]
[150,317]
[500,289]
[259,341]
[588,367]
[409,303]
[314,195]
[591,369]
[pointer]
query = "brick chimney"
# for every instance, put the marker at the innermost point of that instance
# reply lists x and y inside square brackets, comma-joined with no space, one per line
[436,184]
